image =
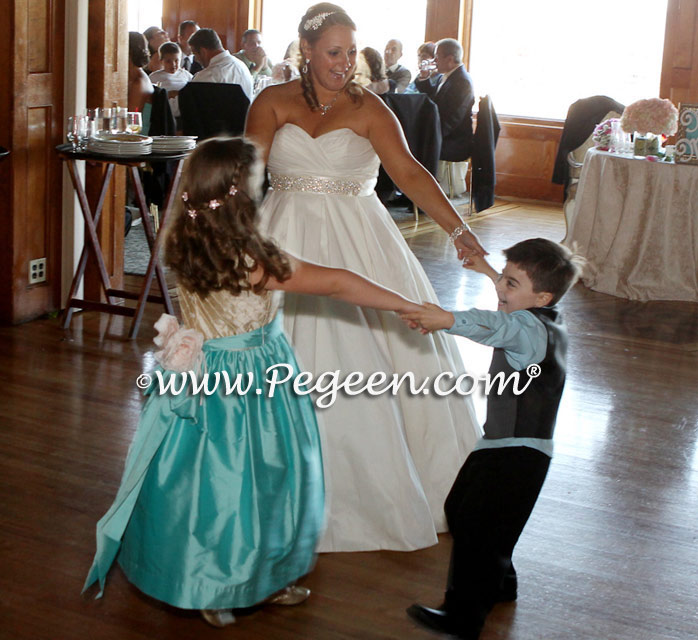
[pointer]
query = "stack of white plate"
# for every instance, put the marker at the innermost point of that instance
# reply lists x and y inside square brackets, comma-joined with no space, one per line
[173,144]
[120,144]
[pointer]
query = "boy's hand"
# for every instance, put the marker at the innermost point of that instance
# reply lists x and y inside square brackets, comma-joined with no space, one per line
[476,262]
[430,317]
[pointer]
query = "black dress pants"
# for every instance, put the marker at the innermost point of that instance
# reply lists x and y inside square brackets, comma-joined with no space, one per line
[487,509]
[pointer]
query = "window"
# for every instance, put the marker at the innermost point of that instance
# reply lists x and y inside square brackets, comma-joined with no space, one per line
[377,21]
[145,13]
[536,58]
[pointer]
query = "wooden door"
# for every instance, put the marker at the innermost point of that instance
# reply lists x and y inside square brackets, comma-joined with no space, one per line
[31,125]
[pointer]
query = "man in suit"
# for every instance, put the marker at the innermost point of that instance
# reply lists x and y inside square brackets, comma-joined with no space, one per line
[186,30]
[400,75]
[454,96]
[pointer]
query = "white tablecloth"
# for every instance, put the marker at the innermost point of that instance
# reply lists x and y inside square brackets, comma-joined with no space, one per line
[636,222]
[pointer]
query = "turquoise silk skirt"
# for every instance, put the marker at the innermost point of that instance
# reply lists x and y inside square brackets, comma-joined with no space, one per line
[222,498]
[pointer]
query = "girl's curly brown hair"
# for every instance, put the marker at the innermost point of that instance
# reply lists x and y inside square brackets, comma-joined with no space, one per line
[217,247]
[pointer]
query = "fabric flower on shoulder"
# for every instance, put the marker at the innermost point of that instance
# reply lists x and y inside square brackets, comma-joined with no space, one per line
[181,348]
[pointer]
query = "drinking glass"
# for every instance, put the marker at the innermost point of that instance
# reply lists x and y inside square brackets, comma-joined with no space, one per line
[76,131]
[85,132]
[119,119]
[134,122]
[616,143]
[104,120]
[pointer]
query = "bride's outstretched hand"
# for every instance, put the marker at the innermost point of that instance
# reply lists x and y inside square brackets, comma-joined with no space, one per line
[467,243]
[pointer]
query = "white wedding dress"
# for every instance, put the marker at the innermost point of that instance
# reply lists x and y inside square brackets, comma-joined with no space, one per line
[389,460]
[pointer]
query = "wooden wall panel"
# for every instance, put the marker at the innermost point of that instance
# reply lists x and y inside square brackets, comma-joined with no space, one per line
[39,24]
[230,19]
[680,62]
[31,105]
[443,19]
[525,157]
[7,52]
[107,82]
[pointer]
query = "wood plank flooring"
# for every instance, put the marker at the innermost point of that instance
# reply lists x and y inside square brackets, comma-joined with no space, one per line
[611,551]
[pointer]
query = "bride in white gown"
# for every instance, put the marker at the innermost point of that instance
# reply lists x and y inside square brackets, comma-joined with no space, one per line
[389,460]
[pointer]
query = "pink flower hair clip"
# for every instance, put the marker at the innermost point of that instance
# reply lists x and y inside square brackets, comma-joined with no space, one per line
[190,211]
[211,204]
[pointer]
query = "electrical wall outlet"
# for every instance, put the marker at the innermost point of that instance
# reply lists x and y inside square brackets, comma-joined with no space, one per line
[37,271]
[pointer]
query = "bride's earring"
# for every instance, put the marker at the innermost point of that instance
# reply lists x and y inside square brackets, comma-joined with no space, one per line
[305,66]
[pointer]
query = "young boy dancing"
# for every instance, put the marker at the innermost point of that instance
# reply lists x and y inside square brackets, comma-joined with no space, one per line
[494,493]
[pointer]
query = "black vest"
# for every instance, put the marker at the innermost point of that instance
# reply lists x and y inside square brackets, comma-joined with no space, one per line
[531,414]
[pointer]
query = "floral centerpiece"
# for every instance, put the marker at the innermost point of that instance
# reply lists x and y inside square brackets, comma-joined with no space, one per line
[648,119]
[603,133]
[656,115]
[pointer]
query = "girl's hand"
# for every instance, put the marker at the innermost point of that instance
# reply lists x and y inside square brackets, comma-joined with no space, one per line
[409,307]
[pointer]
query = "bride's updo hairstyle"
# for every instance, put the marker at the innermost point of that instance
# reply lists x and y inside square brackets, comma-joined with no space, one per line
[314,23]
[211,241]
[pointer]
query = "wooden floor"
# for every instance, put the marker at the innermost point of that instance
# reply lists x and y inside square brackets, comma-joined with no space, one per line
[611,551]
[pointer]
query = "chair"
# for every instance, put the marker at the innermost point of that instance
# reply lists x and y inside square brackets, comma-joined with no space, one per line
[162,122]
[210,109]
[419,118]
[582,116]
[575,161]
[157,176]
[483,174]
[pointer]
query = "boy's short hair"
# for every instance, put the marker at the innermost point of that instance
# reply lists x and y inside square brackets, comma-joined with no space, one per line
[169,47]
[552,267]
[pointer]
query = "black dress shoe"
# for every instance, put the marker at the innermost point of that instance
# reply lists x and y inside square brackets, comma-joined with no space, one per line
[440,621]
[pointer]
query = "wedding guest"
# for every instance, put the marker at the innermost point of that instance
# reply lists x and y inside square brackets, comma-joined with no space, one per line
[497,487]
[253,55]
[186,30]
[425,61]
[394,70]
[287,69]
[454,96]
[171,77]
[371,71]
[218,64]
[140,88]
[155,37]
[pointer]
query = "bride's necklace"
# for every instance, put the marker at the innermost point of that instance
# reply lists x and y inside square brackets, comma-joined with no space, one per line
[324,108]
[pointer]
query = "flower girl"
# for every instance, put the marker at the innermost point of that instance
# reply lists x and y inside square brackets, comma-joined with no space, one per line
[221,501]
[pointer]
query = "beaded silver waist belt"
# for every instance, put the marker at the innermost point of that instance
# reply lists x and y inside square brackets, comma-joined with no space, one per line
[318,185]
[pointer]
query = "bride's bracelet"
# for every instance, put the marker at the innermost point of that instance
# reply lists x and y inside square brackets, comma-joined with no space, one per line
[458,231]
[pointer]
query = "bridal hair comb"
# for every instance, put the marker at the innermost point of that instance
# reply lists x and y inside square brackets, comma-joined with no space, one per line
[316,22]
[211,204]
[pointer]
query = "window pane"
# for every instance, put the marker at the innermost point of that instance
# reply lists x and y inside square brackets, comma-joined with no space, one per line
[377,21]
[548,53]
[145,13]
